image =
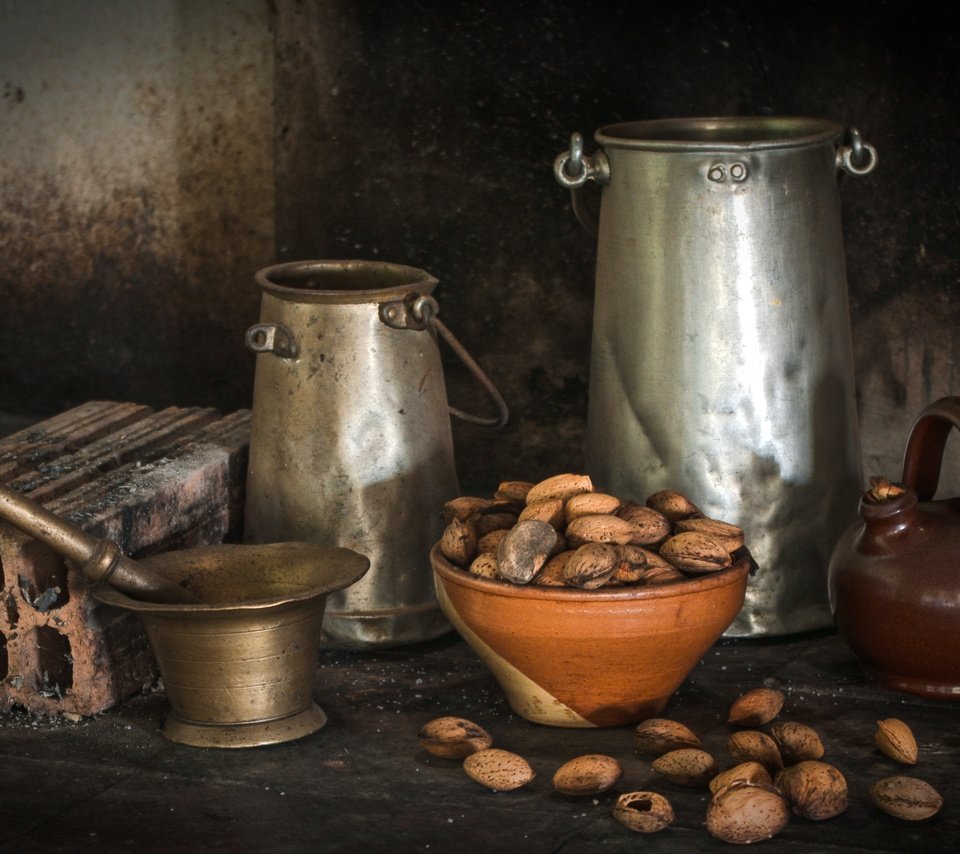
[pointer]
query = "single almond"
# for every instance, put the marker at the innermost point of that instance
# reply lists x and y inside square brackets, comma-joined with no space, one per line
[797,742]
[908,798]
[896,740]
[751,745]
[745,772]
[591,566]
[549,510]
[651,526]
[490,541]
[587,775]
[484,565]
[463,507]
[728,535]
[513,490]
[599,528]
[747,812]
[552,574]
[644,812]
[635,561]
[494,521]
[563,486]
[499,770]
[674,505]
[453,738]
[524,551]
[590,504]
[687,766]
[756,707]
[458,543]
[816,790]
[656,736]
[695,552]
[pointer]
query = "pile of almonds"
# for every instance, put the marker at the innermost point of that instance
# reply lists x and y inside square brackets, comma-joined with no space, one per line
[776,773]
[561,532]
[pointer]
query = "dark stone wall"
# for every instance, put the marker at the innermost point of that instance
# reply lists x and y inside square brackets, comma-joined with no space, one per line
[424,133]
[438,124]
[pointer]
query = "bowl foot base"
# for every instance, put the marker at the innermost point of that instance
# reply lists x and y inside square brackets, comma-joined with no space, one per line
[919,686]
[251,734]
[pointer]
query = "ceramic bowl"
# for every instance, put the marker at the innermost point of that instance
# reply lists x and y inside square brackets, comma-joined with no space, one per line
[590,658]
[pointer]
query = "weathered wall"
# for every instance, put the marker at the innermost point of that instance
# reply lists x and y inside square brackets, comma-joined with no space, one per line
[136,196]
[139,201]
[439,124]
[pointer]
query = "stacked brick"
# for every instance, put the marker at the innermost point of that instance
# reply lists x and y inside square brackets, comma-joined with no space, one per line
[151,482]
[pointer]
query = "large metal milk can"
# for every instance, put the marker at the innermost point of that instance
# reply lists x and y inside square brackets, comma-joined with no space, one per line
[721,359]
[350,435]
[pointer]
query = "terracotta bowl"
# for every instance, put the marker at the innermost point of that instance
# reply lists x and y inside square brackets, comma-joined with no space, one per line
[589,658]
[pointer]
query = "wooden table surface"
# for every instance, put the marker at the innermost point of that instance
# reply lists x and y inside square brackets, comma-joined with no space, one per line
[364,784]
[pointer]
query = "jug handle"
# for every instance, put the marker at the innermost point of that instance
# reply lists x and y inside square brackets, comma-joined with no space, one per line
[572,170]
[924,452]
[422,312]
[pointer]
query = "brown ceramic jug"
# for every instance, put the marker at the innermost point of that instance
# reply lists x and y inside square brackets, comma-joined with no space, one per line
[894,576]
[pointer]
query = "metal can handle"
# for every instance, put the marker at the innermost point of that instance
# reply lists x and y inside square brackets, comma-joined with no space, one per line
[420,313]
[573,170]
[923,456]
[271,338]
[857,158]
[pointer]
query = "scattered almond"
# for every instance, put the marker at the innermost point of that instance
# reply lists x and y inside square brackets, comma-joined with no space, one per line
[745,772]
[687,766]
[816,790]
[756,707]
[908,798]
[498,769]
[656,736]
[751,745]
[747,812]
[587,775]
[896,740]
[797,742]
[453,738]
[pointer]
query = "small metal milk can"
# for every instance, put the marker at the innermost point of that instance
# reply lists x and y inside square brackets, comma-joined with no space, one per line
[721,359]
[351,442]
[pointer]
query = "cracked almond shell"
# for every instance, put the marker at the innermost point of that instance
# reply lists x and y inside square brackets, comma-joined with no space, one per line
[644,812]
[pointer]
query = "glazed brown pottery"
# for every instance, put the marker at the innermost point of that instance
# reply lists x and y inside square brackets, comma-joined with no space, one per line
[585,658]
[894,576]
